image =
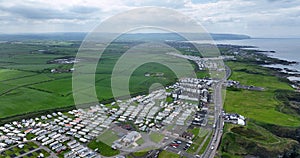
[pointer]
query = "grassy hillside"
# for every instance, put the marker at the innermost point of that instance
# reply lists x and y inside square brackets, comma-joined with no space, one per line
[261,109]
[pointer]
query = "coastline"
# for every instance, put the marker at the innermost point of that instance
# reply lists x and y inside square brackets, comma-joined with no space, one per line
[266,58]
[278,101]
[288,70]
[285,50]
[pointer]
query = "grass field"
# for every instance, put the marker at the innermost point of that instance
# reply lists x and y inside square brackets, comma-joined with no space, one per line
[252,139]
[7,74]
[103,148]
[165,154]
[195,131]
[26,84]
[139,154]
[108,137]
[256,106]
[200,135]
[205,145]
[156,137]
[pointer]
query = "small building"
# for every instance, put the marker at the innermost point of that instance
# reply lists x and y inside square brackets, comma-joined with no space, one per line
[83,140]
[131,137]
[187,135]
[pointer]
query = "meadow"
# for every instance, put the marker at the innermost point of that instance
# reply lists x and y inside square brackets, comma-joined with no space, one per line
[260,108]
[28,86]
[258,105]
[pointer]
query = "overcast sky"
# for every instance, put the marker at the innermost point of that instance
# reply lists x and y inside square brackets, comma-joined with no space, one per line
[257,18]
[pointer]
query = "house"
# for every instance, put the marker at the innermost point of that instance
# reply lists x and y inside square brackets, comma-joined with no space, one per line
[71,142]
[241,122]
[3,145]
[131,137]
[116,145]
[83,140]
[8,141]
[187,135]
[127,140]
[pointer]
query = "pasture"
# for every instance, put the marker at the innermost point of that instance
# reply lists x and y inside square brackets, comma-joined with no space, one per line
[260,106]
[27,84]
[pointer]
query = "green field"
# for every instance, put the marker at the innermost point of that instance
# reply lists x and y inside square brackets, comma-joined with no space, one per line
[156,137]
[256,105]
[205,145]
[200,135]
[108,137]
[27,85]
[261,109]
[165,154]
[103,148]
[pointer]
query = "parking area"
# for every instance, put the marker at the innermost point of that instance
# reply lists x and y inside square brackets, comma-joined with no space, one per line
[178,146]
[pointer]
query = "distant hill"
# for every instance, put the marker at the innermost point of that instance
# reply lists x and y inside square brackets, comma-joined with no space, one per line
[229,36]
[79,36]
[68,36]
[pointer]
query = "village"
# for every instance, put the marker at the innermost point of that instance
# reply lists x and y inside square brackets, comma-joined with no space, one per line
[158,120]
[163,119]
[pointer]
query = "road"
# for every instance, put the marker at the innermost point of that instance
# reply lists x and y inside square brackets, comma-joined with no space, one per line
[211,150]
[52,154]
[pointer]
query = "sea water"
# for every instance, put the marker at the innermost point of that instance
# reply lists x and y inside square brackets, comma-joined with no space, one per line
[285,48]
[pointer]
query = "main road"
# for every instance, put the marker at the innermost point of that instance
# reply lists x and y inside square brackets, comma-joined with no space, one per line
[211,149]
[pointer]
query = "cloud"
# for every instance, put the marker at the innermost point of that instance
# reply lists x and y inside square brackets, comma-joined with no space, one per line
[36,13]
[254,17]
[45,13]
[84,9]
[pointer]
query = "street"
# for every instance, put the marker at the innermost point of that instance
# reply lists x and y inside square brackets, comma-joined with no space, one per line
[210,152]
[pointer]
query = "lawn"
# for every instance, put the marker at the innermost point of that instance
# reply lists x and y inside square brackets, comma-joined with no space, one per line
[198,139]
[103,148]
[156,137]
[195,131]
[139,154]
[108,137]
[167,154]
[205,145]
[140,141]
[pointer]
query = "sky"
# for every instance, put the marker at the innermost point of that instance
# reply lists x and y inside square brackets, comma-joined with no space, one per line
[257,18]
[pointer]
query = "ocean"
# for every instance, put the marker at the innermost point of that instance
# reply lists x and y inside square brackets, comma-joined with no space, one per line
[286,48]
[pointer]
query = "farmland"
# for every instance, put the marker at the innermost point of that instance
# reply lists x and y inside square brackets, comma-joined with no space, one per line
[23,73]
[27,84]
